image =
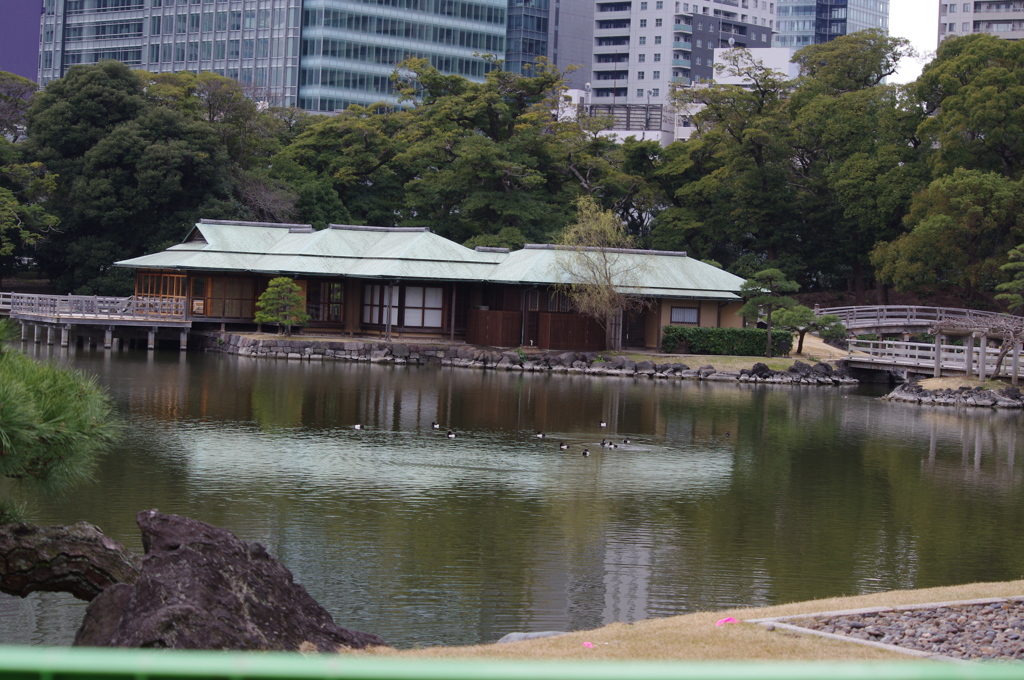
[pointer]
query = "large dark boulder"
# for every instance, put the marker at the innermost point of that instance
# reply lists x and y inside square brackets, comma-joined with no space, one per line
[200,587]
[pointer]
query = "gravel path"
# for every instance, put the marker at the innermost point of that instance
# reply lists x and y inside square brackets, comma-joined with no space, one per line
[978,631]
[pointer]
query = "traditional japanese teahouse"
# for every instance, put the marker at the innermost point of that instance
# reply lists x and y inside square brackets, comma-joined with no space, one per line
[409,282]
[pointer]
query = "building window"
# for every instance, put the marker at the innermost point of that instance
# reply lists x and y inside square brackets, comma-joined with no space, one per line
[659,5]
[685,315]
[234,49]
[154,25]
[235,22]
[640,92]
[423,307]
[375,304]
[657,75]
[641,57]
[643,6]
[639,75]
[657,40]
[656,92]
[657,56]
[657,23]
[642,40]
[643,23]
[222,21]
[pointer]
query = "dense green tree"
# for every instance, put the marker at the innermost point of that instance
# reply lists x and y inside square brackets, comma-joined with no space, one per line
[15,95]
[974,93]
[1011,293]
[802,320]
[24,187]
[858,61]
[764,293]
[282,303]
[54,423]
[962,226]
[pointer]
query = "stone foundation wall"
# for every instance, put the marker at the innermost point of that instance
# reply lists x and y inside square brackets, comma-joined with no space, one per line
[468,356]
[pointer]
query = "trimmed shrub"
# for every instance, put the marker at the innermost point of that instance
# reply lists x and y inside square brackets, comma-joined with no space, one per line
[743,342]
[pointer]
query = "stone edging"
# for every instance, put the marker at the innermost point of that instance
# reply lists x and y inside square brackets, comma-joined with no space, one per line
[771,623]
[912,393]
[468,356]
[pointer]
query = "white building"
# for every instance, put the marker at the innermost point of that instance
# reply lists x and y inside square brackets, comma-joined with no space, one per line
[1003,19]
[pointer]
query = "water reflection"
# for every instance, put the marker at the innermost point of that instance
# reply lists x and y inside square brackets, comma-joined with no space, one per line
[726,495]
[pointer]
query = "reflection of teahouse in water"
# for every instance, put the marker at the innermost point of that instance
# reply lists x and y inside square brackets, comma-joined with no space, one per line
[408,282]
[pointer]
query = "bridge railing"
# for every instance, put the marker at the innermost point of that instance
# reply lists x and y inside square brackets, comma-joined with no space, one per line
[902,316]
[97,306]
[5,303]
[922,355]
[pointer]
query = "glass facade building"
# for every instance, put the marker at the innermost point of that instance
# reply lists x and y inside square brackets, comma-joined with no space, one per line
[812,22]
[526,34]
[321,55]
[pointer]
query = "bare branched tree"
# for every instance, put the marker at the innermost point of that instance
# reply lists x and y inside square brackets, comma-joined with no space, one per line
[1004,326]
[600,270]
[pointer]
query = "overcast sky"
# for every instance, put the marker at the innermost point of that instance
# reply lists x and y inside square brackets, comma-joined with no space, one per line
[918,21]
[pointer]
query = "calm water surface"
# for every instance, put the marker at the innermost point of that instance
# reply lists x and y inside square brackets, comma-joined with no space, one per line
[727,495]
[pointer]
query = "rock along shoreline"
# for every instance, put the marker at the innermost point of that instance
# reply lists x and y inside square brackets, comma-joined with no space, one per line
[469,356]
[912,393]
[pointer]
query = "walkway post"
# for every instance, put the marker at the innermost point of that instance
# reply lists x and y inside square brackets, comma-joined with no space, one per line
[183,341]
[1016,362]
[150,339]
[969,355]
[65,332]
[24,331]
[49,334]
[108,336]
[982,356]
[938,356]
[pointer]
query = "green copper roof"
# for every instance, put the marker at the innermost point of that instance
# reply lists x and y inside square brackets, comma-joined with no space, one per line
[404,253]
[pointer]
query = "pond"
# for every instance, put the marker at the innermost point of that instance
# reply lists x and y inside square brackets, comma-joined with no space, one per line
[726,494]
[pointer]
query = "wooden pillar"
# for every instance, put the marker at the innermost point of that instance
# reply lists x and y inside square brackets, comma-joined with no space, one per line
[969,355]
[938,356]
[49,334]
[151,338]
[108,337]
[1016,362]
[37,335]
[65,333]
[183,341]
[982,356]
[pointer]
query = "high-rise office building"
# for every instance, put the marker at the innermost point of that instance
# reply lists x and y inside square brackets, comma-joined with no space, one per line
[1002,19]
[321,55]
[812,22]
[641,47]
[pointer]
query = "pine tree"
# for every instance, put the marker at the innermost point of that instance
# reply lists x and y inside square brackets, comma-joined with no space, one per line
[283,303]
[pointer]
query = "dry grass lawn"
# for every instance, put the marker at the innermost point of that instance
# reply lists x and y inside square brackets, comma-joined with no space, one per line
[956,382]
[695,637]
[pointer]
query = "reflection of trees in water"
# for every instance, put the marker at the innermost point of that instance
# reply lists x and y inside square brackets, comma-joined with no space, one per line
[815,492]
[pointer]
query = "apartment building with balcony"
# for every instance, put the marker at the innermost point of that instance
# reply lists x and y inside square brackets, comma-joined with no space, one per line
[1004,19]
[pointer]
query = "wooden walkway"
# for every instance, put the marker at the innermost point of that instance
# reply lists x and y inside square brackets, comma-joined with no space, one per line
[902,319]
[91,314]
[973,358]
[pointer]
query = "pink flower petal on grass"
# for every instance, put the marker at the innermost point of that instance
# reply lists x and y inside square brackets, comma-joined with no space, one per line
[727,619]
[588,645]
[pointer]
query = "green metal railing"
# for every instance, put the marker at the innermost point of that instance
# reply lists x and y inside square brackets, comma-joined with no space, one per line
[59,663]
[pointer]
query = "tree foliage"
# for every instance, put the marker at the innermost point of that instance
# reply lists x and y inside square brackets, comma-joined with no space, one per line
[765,292]
[802,320]
[15,94]
[597,272]
[54,423]
[282,303]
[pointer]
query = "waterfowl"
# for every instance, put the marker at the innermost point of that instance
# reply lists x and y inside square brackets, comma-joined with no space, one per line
[435,425]
[586,452]
[613,446]
[451,435]
[563,446]
[604,443]
[604,424]
[626,440]
[357,426]
[540,435]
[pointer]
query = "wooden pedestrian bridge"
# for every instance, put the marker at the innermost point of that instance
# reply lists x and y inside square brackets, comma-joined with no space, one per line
[979,337]
[92,317]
